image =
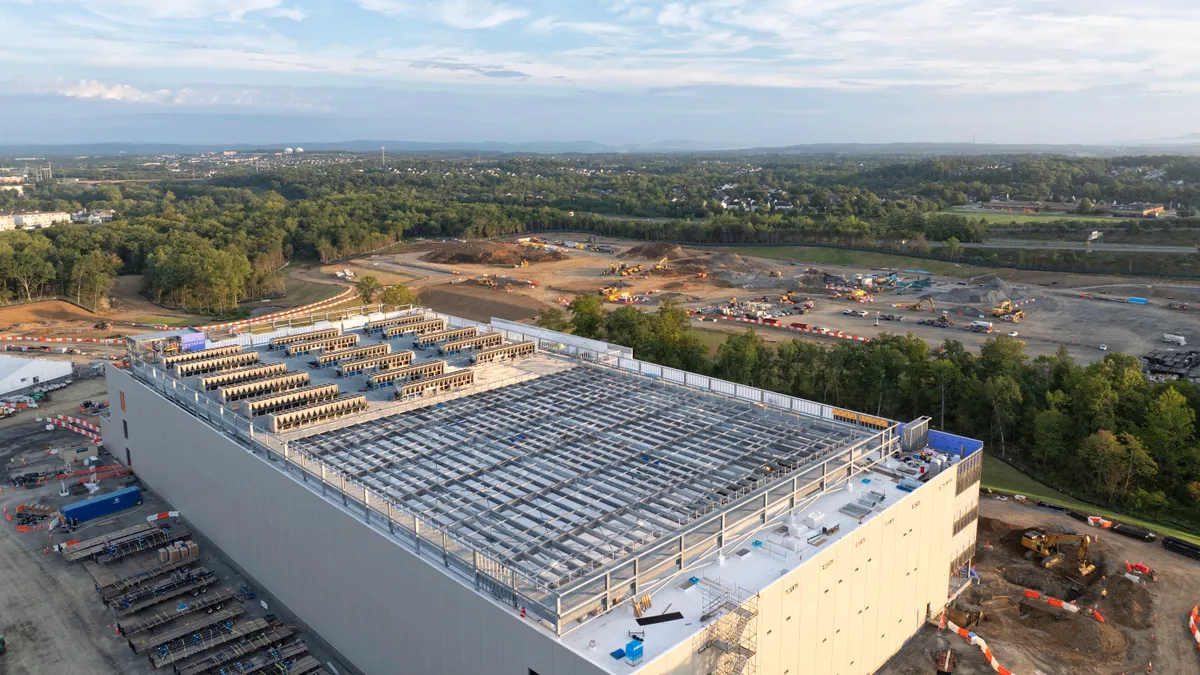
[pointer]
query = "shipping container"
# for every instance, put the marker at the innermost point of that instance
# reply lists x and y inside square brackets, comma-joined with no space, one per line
[1138,301]
[101,505]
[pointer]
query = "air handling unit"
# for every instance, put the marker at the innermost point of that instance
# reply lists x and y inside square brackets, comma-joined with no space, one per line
[325,344]
[240,375]
[420,371]
[396,360]
[481,342]
[418,329]
[216,365]
[332,359]
[377,327]
[527,348]
[285,341]
[201,355]
[264,387]
[431,340]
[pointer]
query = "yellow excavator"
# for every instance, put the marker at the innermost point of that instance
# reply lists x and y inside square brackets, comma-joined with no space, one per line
[661,265]
[1048,545]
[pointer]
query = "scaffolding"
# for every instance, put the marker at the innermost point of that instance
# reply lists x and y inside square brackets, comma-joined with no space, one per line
[729,644]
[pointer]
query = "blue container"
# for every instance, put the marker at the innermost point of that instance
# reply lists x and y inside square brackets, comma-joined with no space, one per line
[633,651]
[102,505]
[1138,301]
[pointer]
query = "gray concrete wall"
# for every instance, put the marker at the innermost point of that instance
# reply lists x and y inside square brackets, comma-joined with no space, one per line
[386,610]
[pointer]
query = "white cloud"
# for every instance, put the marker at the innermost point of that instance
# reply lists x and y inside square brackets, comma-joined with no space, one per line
[137,11]
[473,14]
[109,92]
[552,24]
[1009,46]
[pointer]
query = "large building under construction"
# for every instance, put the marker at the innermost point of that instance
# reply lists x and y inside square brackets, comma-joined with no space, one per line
[436,496]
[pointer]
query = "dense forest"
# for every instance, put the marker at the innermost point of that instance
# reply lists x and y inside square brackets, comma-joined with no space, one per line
[1101,431]
[207,244]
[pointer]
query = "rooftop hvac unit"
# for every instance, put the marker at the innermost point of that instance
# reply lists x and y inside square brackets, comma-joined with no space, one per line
[215,365]
[346,404]
[427,369]
[527,348]
[329,343]
[461,378]
[281,342]
[331,359]
[481,342]
[240,375]
[444,336]
[270,403]
[381,325]
[262,387]
[422,328]
[383,362]
[201,355]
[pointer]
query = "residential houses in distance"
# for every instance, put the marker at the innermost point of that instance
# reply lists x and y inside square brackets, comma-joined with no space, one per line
[1135,210]
[93,217]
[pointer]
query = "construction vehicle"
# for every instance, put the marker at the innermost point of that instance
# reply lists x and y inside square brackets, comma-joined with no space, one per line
[1005,307]
[661,265]
[1178,305]
[922,305]
[102,325]
[1049,544]
[609,290]
[1015,317]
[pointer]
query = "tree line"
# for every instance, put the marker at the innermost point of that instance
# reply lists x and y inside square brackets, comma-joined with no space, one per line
[1099,430]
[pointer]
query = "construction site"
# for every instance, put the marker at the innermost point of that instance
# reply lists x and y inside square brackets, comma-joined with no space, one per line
[1089,315]
[101,575]
[499,498]
[1057,591]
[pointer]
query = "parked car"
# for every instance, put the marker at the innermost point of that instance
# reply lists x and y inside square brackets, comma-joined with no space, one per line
[1013,333]
[1103,348]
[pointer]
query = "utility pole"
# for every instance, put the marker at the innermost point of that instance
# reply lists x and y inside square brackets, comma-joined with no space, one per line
[382,155]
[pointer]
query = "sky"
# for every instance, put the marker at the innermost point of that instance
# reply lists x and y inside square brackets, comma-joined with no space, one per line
[718,73]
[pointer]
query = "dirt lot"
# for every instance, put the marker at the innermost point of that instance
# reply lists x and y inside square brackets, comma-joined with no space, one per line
[53,620]
[1142,625]
[480,304]
[1057,316]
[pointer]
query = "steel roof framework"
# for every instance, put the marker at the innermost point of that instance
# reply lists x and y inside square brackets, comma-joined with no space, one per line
[560,475]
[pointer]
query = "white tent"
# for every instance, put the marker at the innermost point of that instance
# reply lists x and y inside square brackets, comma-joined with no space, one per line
[17,373]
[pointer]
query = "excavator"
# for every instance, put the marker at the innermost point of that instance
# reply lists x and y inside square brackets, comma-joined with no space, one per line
[1048,545]
[922,305]
[661,265]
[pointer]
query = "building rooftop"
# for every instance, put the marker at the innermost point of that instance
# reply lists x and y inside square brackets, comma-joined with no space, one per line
[563,480]
[559,475]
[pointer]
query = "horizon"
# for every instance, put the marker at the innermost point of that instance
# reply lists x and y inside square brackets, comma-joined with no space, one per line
[723,74]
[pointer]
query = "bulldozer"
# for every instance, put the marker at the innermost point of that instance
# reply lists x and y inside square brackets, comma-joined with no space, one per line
[1048,545]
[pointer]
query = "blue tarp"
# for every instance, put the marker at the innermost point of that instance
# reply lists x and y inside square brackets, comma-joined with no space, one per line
[951,444]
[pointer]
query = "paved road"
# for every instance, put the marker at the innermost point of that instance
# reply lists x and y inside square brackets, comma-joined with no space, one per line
[1078,246]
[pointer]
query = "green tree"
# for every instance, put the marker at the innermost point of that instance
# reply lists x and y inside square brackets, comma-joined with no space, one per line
[1051,430]
[1004,396]
[1085,206]
[587,316]
[553,318]
[398,295]
[367,287]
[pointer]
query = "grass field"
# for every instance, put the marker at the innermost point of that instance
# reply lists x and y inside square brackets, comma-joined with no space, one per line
[304,292]
[1006,218]
[836,256]
[712,338]
[1000,476]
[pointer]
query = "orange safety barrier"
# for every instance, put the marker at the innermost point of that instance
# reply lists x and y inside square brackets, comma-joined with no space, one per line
[1193,620]
[22,528]
[1054,602]
[979,642]
[307,309]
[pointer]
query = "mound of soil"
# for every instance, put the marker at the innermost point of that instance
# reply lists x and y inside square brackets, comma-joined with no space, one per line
[1128,604]
[489,253]
[657,250]
[1097,640]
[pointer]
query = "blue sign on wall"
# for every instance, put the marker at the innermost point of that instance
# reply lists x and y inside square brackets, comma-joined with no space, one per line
[191,342]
